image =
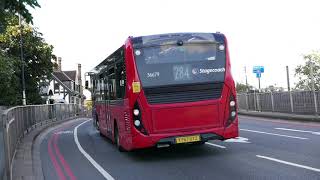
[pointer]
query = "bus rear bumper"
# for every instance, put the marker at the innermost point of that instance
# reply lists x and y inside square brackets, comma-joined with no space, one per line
[203,138]
[142,141]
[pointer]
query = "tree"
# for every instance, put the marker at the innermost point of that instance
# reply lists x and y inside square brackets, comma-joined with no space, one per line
[9,82]
[10,7]
[17,6]
[242,88]
[37,57]
[273,88]
[303,72]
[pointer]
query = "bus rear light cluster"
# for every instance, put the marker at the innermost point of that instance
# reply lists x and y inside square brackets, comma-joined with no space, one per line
[136,116]
[137,119]
[232,110]
[136,112]
[137,122]
[232,103]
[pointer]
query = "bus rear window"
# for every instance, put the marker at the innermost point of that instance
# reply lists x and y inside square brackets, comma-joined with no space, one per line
[178,54]
[185,63]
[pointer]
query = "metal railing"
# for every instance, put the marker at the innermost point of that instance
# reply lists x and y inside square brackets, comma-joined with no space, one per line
[293,102]
[16,122]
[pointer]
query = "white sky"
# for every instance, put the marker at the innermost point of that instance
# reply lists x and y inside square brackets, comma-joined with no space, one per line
[271,33]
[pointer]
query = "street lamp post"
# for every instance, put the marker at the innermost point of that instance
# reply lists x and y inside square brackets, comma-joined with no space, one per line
[247,88]
[245,72]
[313,88]
[24,102]
[289,89]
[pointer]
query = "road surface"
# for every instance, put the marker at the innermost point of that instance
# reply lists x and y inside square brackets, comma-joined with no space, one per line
[266,149]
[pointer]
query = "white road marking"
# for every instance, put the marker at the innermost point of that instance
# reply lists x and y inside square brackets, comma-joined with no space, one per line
[297,130]
[289,163]
[238,140]
[274,134]
[216,145]
[64,132]
[104,173]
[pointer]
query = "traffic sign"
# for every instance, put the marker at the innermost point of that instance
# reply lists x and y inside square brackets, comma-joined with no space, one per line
[258,69]
[258,75]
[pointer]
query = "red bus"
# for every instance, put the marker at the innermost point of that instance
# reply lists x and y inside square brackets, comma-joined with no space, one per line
[167,89]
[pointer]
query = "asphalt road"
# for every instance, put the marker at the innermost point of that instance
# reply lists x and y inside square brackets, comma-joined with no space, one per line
[266,149]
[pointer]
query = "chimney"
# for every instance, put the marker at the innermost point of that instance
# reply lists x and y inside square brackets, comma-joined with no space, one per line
[59,64]
[79,78]
[55,67]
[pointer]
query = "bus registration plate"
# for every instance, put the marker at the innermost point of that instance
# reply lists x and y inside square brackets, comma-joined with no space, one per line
[187,139]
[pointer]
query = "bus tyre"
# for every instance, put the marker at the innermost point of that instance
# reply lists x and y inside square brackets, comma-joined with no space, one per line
[117,139]
[96,122]
[98,127]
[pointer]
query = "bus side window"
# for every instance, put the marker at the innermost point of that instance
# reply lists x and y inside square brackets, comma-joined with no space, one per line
[106,89]
[121,80]
[98,95]
[101,89]
[120,74]
[103,86]
[112,84]
[94,88]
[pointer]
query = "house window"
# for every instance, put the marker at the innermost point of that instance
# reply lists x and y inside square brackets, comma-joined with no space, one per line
[56,88]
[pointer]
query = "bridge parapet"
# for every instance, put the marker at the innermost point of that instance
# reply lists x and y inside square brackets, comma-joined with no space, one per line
[291,102]
[16,122]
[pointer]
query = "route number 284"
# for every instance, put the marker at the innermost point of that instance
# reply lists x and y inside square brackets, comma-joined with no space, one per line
[182,72]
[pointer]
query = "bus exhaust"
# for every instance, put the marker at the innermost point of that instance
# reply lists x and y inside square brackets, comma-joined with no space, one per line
[162,145]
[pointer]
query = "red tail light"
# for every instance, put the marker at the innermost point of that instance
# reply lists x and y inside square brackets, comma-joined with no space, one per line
[232,110]
[137,122]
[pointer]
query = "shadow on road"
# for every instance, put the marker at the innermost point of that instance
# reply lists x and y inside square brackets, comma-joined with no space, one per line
[174,153]
[100,144]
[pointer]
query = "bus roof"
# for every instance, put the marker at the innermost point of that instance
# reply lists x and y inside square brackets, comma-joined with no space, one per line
[103,65]
[160,39]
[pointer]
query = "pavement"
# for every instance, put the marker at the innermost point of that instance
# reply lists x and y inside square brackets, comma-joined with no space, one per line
[24,165]
[266,149]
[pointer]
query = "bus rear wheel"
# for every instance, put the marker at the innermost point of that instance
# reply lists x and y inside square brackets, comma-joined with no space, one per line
[96,122]
[117,139]
[98,127]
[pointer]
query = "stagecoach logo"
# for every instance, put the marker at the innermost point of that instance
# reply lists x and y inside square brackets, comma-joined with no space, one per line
[196,71]
[153,75]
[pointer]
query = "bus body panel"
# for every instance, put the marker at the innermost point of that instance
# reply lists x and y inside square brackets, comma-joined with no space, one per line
[119,110]
[166,120]
[199,115]
[185,118]
[101,115]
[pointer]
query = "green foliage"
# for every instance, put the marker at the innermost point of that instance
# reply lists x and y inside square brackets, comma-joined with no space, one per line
[273,88]
[9,82]
[37,58]
[242,88]
[303,72]
[17,6]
